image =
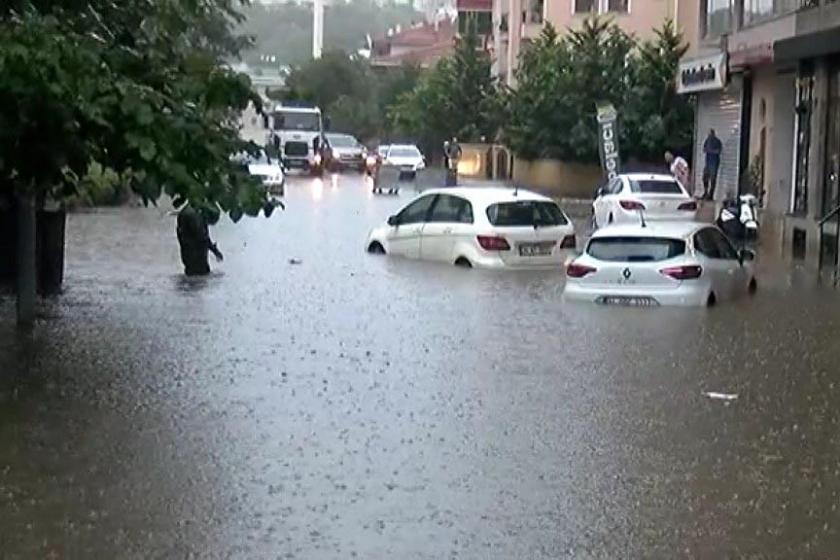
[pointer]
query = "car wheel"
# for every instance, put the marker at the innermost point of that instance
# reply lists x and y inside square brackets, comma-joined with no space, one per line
[752,287]
[711,301]
[376,248]
[463,262]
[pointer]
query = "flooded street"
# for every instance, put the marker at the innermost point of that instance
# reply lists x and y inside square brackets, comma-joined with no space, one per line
[355,406]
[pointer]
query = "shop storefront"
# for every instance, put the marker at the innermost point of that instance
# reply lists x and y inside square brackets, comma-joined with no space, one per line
[718,106]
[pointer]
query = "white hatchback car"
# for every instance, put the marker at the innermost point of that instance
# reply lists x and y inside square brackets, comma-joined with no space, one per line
[659,197]
[406,157]
[489,227]
[679,263]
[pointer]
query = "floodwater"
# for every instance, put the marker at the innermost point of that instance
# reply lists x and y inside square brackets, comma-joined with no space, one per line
[355,406]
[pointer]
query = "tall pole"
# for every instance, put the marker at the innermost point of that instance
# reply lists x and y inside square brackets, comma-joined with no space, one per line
[317,29]
[26,274]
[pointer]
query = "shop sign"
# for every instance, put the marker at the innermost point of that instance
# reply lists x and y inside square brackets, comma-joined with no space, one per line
[608,139]
[702,74]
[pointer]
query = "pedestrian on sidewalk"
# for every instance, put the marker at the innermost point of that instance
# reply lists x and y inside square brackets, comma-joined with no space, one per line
[712,147]
[679,169]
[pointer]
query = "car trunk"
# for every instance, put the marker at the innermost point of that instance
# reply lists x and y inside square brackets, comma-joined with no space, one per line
[534,230]
[665,206]
[629,263]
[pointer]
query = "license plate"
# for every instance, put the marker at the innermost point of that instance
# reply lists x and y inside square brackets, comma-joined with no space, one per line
[634,301]
[535,249]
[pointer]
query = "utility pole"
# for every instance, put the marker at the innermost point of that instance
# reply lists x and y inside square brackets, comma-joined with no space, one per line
[317,29]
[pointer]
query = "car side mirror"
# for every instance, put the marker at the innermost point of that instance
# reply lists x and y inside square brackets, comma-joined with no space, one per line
[746,255]
[393,221]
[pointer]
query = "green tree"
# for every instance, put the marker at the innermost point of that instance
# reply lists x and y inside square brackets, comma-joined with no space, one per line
[456,98]
[657,117]
[140,89]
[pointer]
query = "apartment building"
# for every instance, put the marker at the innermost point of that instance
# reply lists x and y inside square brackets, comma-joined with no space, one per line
[766,75]
[517,22]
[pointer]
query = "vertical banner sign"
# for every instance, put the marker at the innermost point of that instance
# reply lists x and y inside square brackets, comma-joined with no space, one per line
[608,138]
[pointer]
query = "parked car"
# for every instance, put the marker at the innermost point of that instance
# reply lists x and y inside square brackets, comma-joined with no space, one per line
[489,227]
[663,263]
[268,169]
[407,158]
[346,152]
[659,197]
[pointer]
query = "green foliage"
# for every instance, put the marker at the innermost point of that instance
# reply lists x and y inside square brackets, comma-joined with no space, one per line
[138,89]
[285,30]
[551,113]
[354,95]
[456,98]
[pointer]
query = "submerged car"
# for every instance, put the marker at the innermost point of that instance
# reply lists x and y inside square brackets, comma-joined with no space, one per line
[489,227]
[678,263]
[269,170]
[346,152]
[658,197]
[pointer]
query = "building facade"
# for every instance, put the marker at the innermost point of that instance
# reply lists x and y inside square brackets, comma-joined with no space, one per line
[517,22]
[765,74]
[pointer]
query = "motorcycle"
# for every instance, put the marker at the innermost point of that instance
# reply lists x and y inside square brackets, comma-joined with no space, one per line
[738,217]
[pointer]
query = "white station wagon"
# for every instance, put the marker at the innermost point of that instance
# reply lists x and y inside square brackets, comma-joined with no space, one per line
[680,263]
[489,227]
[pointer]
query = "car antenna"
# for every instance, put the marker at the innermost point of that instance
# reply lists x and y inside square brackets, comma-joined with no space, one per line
[515,189]
[642,217]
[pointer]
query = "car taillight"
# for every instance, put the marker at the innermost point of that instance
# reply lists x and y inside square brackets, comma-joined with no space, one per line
[574,270]
[632,205]
[493,243]
[569,242]
[688,272]
[690,206]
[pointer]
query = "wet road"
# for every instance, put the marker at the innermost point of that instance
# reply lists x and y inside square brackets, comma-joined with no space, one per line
[353,406]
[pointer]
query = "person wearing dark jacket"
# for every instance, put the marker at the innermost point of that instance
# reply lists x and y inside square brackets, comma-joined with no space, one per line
[713,148]
[194,239]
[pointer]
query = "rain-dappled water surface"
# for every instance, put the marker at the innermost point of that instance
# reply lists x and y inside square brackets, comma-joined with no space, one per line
[354,406]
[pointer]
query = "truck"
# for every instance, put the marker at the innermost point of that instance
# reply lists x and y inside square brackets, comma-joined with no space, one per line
[297,134]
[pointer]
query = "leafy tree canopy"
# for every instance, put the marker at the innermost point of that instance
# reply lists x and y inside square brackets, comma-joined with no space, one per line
[551,113]
[139,89]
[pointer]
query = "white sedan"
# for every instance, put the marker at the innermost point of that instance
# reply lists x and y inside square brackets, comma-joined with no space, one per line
[270,172]
[658,197]
[677,263]
[405,157]
[489,227]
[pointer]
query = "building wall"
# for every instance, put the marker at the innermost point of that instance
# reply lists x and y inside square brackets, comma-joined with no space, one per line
[644,16]
[558,178]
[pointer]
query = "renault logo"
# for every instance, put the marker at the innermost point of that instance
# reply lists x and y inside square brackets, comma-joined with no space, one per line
[626,273]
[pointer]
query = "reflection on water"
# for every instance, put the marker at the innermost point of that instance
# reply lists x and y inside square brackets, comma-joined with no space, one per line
[360,404]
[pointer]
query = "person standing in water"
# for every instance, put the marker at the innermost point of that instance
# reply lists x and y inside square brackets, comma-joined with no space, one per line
[194,239]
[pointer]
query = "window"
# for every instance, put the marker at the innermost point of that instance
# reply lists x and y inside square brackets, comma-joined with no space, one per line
[398,151]
[635,249]
[297,121]
[417,211]
[718,17]
[585,6]
[713,244]
[526,213]
[724,246]
[759,10]
[621,6]
[804,106]
[646,186]
[601,6]
[615,186]
[535,11]
[452,209]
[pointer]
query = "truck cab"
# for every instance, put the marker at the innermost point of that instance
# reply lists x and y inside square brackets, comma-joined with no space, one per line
[297,133]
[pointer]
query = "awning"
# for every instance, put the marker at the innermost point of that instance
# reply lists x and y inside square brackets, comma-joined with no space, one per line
[807,46]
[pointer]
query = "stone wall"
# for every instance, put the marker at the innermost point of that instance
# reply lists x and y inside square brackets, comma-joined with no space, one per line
[557,178]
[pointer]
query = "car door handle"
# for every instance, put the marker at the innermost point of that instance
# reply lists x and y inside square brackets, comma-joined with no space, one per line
[447,231]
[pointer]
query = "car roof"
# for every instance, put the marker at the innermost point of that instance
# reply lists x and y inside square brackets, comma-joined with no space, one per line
[648,176]
[404,146]
[672,229]
[489,195]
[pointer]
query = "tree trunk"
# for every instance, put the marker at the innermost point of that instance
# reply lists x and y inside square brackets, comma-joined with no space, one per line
[26,274]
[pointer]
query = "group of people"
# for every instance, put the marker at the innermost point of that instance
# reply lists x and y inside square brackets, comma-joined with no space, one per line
[712,149]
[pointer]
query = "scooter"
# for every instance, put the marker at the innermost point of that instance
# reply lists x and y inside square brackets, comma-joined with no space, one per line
[738,217]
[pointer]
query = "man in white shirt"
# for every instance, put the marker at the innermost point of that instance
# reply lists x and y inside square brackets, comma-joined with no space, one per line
[679,169]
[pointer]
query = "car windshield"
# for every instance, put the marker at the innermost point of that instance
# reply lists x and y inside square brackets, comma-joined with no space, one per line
[342,141]
[289,120]
[655,186]
[526,213]
[635,249]
[404,152]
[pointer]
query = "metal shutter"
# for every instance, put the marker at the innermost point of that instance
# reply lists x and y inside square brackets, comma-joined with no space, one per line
[720,110]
